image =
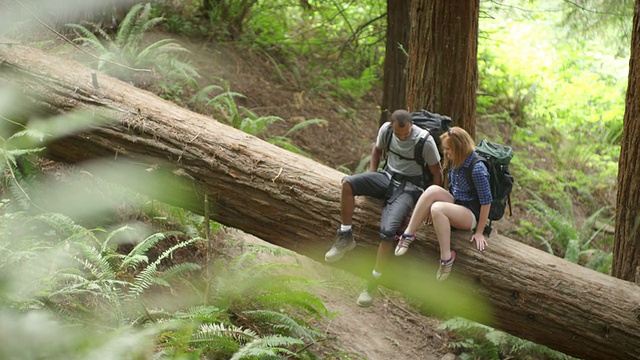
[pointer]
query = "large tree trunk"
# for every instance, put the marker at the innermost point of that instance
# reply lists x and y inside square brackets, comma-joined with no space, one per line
[443,66]
[395,58]
[293,202]
[626,252]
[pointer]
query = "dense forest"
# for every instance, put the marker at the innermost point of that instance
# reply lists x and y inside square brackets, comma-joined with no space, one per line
[95,248]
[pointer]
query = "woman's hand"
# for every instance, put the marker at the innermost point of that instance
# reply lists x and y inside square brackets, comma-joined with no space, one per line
[481,242]
[427,220]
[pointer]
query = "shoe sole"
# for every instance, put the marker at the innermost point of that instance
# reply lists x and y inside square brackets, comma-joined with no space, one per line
[401,251]
[334,259]
[445,274]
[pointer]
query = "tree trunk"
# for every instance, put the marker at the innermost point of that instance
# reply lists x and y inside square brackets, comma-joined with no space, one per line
[395,59]
[293,202]
[626,252]
[443,68]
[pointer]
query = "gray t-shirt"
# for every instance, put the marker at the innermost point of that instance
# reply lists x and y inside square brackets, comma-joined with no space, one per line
[406,149]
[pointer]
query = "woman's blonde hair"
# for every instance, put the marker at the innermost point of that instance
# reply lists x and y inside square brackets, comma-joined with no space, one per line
[460,145]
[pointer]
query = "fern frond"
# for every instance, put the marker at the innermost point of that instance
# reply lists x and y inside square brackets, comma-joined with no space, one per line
[497,338]
[268,346]
[285,323]
[127,25]
[89,38]
[598,260]
[175,271]
[202,96]
[64,226]
[304,124]
[204,314]
[562,229]
[149,242]
[285,143]
[256,126]
[294,298]
[94,261]
[141,25]
[572,252]
[12,154]
[236,333]
[161,47]
[147,277]
[31,133]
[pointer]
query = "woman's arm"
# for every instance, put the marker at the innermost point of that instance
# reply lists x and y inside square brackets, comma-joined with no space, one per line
[478,236]
[484,196]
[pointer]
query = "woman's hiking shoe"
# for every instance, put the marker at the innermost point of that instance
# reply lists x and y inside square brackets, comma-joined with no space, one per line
[445,267]
[365,299]
[344,242]
[403,244]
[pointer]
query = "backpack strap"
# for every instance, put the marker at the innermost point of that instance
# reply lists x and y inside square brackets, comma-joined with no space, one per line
[488,227]
[427,177]
[417,150]
[474,160]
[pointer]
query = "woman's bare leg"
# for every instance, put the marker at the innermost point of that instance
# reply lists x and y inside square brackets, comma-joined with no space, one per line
[422,209]
[444,216]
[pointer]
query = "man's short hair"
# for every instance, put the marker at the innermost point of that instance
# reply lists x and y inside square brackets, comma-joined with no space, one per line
[402,117]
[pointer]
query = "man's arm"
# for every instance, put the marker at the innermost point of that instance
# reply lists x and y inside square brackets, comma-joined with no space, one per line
[436,171]
[376,155]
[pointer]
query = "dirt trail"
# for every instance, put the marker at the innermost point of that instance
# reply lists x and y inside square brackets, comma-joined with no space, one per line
[389,329]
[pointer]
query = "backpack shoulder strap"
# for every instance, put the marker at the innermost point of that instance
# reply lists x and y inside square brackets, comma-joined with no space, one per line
[417,151]
[474,160]
[388,134]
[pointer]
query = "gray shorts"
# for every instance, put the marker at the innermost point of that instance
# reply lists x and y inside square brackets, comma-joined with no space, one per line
[397,207]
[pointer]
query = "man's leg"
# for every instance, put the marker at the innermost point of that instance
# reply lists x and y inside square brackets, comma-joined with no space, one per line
[394,216]
[368,184]
[347,203]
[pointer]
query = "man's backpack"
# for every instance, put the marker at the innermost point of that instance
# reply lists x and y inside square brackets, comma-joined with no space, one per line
[436,125]
[496,157]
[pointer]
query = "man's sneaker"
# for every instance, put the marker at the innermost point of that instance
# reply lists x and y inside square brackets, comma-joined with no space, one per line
[369,293]
[344,242]
[403,244]
[445,267]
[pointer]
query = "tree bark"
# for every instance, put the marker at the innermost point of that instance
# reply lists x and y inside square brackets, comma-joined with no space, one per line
[292,201]
[443,65]
[626,252]
[395,58]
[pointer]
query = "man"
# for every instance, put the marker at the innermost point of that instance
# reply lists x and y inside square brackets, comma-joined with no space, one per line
[400,184]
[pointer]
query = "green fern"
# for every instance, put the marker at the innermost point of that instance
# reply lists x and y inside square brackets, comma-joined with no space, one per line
[267,347]
[484,342]
[248,121]
[284,324]
[565,233]
[126,47]
[202,314]
[149,276]
[562,229]
[209,331]
[304,124]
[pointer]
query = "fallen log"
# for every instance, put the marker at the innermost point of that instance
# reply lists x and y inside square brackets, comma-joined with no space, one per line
[293,202]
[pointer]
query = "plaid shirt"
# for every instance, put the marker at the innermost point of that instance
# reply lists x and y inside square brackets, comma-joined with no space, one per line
[460,187]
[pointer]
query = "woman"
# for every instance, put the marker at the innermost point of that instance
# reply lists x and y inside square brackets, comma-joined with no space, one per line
[461,207]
